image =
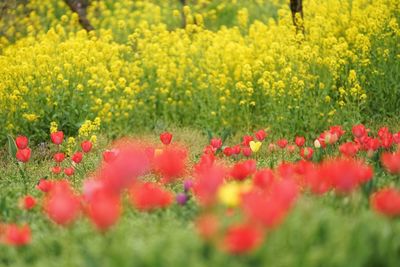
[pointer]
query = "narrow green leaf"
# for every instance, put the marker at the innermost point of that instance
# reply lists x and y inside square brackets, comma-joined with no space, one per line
[225,134]
[12,147]
[209,134]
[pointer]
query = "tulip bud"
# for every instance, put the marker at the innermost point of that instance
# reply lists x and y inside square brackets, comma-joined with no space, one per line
[317,144]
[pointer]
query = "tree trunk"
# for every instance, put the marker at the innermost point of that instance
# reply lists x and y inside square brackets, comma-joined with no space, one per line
[80,7]
[296,6]
[184,21]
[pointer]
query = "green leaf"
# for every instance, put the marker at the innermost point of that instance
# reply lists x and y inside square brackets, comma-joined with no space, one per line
[12,147]
[209,134]
[225,134]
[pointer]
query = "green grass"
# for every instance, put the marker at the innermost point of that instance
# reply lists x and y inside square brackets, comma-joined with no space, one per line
[328,238]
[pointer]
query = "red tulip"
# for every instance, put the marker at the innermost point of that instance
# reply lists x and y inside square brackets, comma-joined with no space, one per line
[56,170]
[86,146]
[391,162]
[166,138]
[282,143]
[348,149]
[241,170]
[320,141]
[228,151]
[21,142]
[269,208]
[236,149]
[104,209]
[207,226]
[299,140]
[208,178]
[272,147]
[216,143]
[209,150]
[44,185]
[328,138]
[110,155]
[246,140]
[291,148]
[387,140]
[171,163]
[149,196]
[149,152]
[93,185]
[260,135]
[263,179]
[23,155]
[246,151]
[306,152]
[345,174]
[77,157]
[301,169]
[17,235]
[396,138]
[61,204]
[386,202]
[59,157]
[315,180]
[69,171]
[359,130]
[57,137]
[206,161]
[383,131]
[242,238]
[286,170]
[132,162]
[28,202]
[337,130]
[373,144]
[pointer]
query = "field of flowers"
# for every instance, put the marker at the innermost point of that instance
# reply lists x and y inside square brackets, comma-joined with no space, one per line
[242,65]
[199,133]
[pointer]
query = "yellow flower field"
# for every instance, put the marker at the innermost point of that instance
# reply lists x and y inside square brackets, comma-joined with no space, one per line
[140,69]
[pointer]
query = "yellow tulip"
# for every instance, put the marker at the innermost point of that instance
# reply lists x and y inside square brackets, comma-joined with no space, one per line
[255,146]
[229,194]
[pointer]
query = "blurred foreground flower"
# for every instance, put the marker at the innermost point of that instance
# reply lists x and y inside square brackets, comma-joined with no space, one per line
[391,162]
[61,204]
[386,202]
[17,235]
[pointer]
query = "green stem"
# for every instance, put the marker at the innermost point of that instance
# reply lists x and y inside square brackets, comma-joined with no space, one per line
[24,177]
